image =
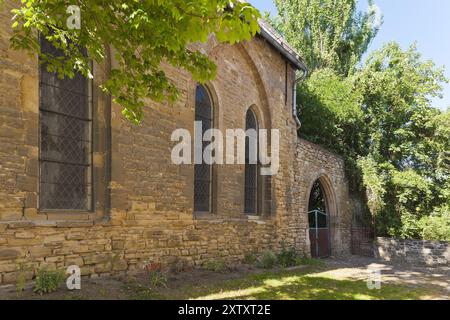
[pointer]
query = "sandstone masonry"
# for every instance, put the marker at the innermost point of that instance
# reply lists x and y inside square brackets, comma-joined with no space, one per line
[143,208]
[415,252]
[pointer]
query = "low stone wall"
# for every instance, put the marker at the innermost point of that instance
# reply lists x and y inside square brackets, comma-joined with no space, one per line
[415,252]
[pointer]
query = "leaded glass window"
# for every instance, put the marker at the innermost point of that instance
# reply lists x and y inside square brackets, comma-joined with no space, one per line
[203,171]
[251,168]
[65,143]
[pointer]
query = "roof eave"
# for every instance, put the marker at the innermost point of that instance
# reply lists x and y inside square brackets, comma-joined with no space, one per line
[290,55]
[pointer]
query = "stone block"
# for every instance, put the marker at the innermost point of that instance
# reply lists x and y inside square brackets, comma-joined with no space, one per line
[10,254]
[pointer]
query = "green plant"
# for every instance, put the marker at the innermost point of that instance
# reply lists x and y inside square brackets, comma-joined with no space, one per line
[333,34]
[376,112]
[267,260]
[48,280]
[305,261]
[23,268]
[287,257]
[217,265]
[157,279]
[143,34]
[250,259]
[437,226]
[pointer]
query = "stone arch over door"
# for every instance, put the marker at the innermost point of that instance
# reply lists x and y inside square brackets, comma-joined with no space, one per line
[331,210]
[314,162]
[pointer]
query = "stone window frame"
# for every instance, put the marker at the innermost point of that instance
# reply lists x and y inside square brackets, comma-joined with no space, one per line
[90,195]
[101,153]
[264,209]
[210,88]
[211,167]
[257,201]
[265,213]
[213,213]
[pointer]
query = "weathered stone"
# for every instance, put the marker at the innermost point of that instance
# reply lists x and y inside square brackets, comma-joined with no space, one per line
[10,254]
[25,235]
[415,252]
[40,251]
[150,215]
[117,244]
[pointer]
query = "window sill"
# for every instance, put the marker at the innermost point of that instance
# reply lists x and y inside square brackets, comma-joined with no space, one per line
[210,217]
[24,224]
[206,216]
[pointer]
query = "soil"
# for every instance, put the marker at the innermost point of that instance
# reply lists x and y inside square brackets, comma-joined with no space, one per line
[355,268]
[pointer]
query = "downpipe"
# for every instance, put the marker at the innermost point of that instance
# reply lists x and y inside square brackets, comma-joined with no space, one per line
[294,99]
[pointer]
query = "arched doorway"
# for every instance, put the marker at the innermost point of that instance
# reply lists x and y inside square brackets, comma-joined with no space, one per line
[319,221]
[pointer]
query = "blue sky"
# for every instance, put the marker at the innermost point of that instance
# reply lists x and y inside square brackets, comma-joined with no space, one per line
[426,22]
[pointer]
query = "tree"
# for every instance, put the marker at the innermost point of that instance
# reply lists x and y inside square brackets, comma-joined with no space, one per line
[407,141]
[142,35]
[328,34]
[377,115]
[331,115]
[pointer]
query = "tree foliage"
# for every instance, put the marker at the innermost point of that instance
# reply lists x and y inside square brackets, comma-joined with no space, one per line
[333,113]
[142,35]
[407,139]
[328,34]
[377,114]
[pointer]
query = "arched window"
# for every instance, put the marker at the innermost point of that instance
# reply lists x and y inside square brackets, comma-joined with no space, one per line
[251,163]
[203,172]
[65,139]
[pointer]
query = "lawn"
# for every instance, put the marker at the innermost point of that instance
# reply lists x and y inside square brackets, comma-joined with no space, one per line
[314,281]
[303,284]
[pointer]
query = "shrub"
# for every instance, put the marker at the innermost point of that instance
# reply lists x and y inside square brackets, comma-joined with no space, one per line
[156,274]
[214,265]
[48,280]
[250,259]
[267,260]
[287,257]
[436,227]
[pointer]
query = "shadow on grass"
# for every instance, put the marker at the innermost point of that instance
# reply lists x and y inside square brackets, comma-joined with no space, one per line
[284,286]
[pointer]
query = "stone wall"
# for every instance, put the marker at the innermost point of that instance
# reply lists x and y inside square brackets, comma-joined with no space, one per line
[150,215]
[414,252]
[315,163]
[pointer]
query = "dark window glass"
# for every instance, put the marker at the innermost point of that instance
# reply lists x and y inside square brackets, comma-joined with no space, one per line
[65,139]
[203,172]
[317,207]
[251,169]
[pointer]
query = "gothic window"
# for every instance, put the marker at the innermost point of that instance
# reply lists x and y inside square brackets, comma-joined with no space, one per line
[251,167]
[203,171]
[65,139]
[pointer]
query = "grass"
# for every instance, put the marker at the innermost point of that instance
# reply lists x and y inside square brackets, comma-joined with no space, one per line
[285,285]
[314,280]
